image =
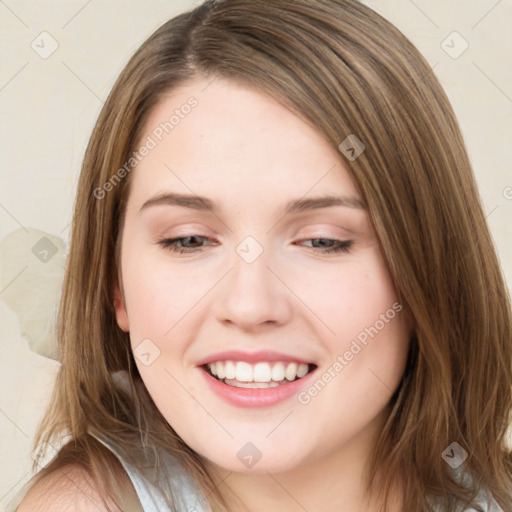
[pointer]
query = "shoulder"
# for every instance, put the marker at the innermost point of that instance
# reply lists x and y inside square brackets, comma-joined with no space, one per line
[69,488]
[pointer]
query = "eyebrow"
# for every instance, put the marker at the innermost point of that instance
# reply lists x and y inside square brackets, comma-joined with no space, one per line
[200,203]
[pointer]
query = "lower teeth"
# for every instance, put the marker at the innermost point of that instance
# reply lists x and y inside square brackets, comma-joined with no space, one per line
[254,385]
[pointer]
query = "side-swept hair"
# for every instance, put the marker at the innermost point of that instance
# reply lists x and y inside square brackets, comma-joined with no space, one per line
[344,69]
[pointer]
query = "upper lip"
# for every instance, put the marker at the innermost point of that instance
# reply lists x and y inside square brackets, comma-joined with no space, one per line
[251,357]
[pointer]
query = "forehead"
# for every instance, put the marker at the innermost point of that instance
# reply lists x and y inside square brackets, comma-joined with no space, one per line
[230,140]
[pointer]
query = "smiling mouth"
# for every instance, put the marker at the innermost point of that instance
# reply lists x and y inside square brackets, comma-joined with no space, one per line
[257,376]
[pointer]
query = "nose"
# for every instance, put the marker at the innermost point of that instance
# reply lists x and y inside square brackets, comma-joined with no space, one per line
[253,295]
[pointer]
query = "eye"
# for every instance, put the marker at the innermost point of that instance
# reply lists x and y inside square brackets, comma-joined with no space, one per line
[329,245]
[195,243]
[186,244]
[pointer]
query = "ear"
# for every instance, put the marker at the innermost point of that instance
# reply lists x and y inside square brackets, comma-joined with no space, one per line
[120,307]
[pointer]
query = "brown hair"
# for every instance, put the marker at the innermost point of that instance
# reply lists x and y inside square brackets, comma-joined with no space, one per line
[345,70]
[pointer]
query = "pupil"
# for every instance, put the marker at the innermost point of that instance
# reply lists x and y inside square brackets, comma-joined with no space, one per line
[197,240]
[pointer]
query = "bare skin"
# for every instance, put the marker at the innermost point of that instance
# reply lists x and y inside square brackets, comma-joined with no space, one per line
[248,154]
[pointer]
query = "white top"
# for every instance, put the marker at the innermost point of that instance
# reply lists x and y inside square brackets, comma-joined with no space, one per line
[185,491]
[152,499]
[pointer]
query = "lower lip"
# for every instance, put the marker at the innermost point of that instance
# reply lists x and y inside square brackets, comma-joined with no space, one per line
[246,397]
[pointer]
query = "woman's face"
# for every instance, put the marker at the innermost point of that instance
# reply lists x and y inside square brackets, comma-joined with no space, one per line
[258,292]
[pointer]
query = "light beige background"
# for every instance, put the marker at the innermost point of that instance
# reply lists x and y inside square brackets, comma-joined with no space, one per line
[48,107]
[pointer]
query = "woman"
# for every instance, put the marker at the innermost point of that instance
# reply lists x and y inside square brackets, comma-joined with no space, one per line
[369,370]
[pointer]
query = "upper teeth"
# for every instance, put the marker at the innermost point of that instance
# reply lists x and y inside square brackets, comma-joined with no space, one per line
[259,372]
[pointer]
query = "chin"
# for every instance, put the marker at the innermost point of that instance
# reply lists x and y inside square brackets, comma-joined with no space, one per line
[249,460]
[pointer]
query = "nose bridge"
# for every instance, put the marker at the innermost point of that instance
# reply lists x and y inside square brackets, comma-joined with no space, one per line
[252,294]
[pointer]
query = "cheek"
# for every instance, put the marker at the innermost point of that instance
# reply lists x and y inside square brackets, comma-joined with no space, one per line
[367,336]
[368,349]
[157,294]
[349,297]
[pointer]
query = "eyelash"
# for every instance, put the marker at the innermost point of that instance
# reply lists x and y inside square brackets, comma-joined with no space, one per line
[171,244]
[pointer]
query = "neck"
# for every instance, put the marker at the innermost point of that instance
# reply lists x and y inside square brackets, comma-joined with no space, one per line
[333,482]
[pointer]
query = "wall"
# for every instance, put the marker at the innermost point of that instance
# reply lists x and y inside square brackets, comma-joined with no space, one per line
[50,101]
